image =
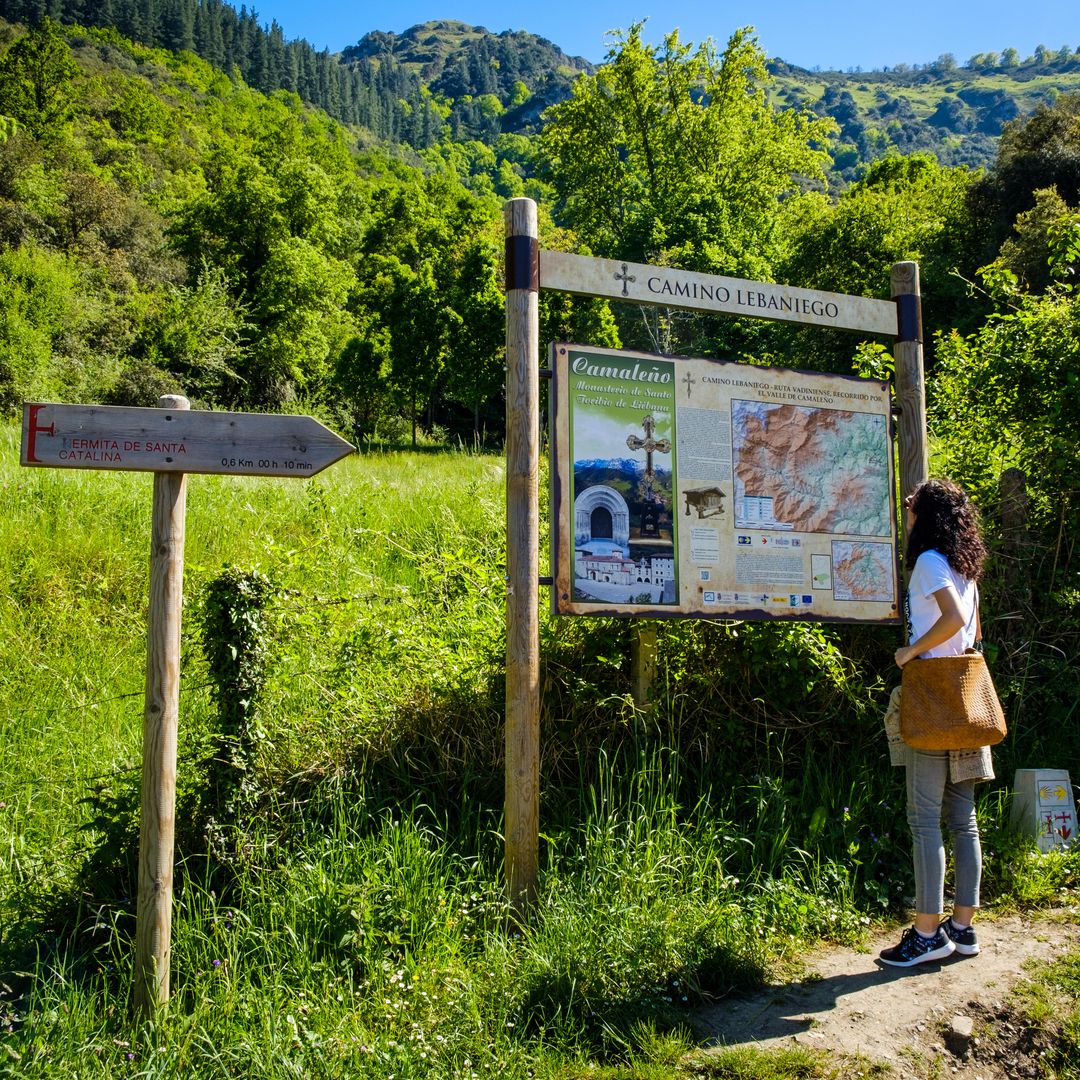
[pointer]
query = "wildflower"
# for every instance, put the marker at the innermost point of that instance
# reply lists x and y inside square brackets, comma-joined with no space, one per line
[215,963]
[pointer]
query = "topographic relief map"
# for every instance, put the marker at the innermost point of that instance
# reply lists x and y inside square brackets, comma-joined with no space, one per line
[810,469]
[862,571]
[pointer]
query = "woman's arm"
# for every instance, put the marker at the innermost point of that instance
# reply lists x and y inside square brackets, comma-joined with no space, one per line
[948,623]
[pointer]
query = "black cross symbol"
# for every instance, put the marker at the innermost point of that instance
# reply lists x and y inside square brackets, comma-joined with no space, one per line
[624,277]
[689,380]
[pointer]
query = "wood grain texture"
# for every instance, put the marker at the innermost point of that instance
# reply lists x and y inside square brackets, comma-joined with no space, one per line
[153,932]
[666,287]
[643,663]
[522,808]
[910,390]
[562,508]
[176,440]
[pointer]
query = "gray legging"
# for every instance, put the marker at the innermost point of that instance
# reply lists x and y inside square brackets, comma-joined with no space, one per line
[931,797]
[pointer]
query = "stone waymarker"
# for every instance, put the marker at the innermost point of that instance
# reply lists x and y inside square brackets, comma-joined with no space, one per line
[177,440]
[169,441]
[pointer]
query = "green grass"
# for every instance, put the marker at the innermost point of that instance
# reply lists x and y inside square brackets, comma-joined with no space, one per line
[359,927]
[1048,1003]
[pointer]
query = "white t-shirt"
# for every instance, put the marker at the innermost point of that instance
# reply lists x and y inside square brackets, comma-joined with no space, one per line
[932,572]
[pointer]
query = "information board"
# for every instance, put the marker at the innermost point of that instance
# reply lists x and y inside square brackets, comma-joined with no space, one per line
[692,487]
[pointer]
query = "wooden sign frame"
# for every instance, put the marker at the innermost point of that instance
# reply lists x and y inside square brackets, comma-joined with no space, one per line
[527,270]
[743,500]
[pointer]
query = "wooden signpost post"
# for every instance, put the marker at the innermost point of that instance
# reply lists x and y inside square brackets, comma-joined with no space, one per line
[170,442]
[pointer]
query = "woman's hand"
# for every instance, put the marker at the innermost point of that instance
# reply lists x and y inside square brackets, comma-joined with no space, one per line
[904,654]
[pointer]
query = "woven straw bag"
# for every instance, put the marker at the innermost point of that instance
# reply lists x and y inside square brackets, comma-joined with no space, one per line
[949,703]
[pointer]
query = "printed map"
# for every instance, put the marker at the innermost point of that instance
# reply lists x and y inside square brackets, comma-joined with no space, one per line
[862,571]
[810,469]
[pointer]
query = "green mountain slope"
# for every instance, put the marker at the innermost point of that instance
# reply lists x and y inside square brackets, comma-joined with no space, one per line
[446,79]
[489,83]
[443,50]
[955,112]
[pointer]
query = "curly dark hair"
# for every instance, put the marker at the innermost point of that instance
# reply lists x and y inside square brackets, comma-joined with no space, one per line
[946,520]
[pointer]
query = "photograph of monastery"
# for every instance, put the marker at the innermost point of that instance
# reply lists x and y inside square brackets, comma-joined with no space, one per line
[624,531]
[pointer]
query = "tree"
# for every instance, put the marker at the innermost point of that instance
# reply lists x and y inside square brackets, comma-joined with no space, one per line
[53,317]
[418,323]
[36,74]
[279,219]
[1042,151]
[298,308]
[1027,254]
[476,370]
[198,335]
[1008,398]
[361,379]
[1008,394]
[674,154]
[413,272]
[903,208]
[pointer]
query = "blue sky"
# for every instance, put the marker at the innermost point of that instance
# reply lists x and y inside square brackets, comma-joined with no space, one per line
[838,34]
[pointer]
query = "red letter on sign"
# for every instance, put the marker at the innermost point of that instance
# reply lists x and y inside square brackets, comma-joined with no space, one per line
[31,440]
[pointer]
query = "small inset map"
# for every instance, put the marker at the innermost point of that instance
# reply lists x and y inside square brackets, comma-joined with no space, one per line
[863,571]
[810,470]
[821,571]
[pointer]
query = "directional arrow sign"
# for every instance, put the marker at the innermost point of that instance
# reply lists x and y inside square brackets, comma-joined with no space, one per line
[169,441]
[177,440]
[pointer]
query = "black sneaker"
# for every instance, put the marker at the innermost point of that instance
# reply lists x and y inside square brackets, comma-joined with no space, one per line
[916,949]
[967,944]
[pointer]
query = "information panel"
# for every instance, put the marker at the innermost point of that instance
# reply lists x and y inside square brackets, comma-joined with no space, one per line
[713,489]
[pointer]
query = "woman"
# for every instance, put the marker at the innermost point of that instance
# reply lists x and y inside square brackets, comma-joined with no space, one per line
[946,553]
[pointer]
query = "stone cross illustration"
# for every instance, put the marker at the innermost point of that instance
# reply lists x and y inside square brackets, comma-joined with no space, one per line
[650,446]
[689,380]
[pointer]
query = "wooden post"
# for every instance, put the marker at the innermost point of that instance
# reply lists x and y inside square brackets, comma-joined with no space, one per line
[910,387]
[643,662]
[153,931]
[522,807]
[1014,543]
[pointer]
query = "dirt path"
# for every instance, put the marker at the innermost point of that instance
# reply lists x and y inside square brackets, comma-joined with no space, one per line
[951,1018]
